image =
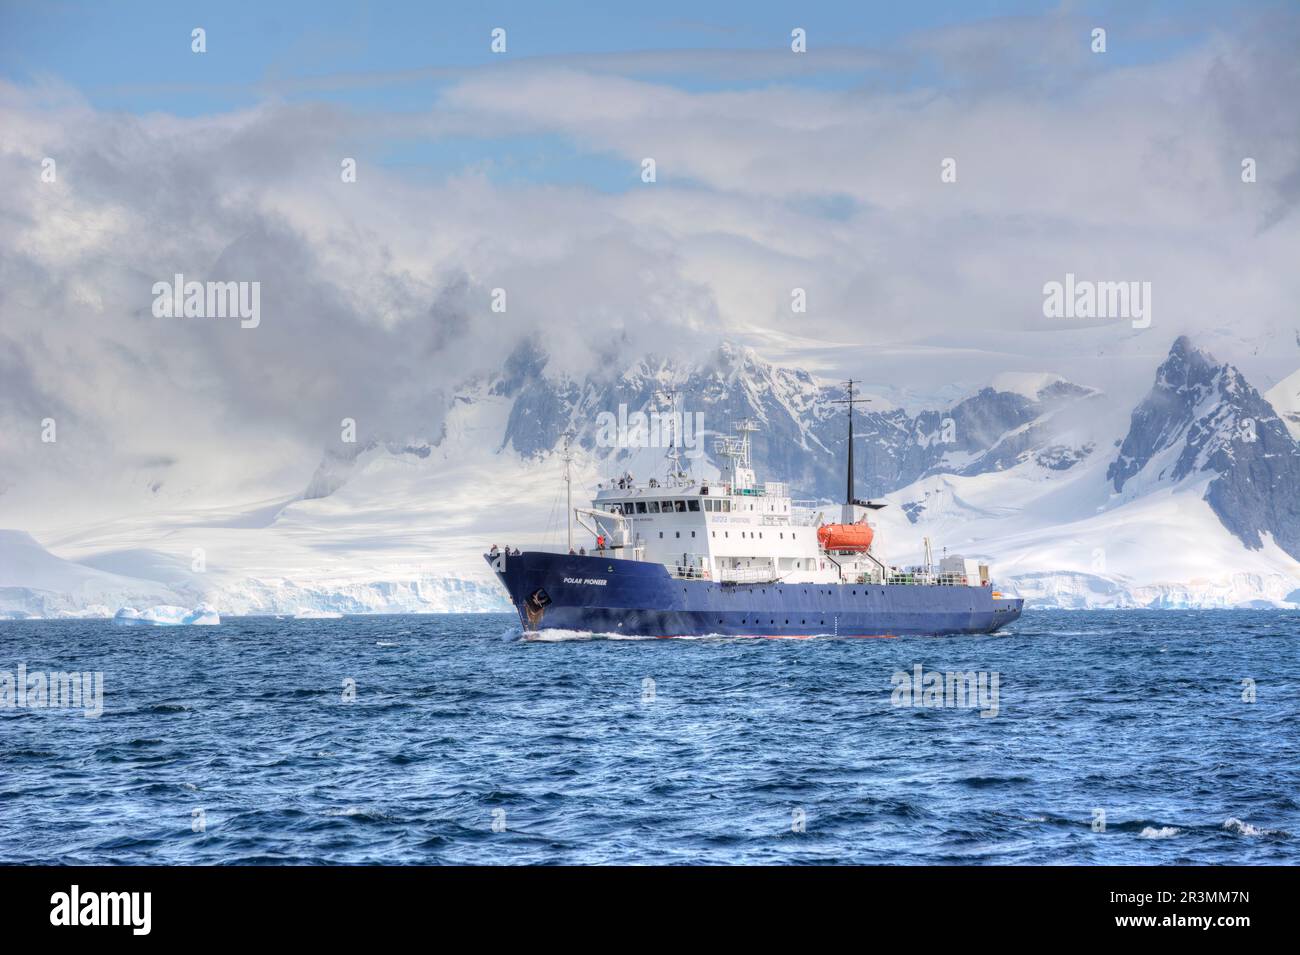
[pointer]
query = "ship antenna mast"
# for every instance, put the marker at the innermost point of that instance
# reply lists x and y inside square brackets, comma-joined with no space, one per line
[850,401]
[568,486]
[675,471]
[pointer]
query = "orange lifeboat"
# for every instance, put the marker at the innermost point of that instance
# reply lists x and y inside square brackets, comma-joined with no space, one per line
[845,536]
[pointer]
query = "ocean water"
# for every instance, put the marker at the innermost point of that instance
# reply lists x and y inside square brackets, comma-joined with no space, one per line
[466,744]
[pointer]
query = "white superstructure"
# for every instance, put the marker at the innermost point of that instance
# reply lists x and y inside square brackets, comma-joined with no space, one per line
[732,529]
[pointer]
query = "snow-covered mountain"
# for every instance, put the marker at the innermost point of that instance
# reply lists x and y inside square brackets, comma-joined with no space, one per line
[1203,420]
[1285,399]
[1191,501]
[36,583]
[1194,505]
[802,432]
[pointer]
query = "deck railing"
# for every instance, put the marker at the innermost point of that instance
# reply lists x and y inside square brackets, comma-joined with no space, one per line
[723,575]
[922,579]
[693,569]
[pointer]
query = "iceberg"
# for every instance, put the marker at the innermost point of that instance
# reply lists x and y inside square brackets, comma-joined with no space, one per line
[166,616]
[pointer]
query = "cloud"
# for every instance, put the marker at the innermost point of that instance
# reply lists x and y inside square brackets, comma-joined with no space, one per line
[376,294]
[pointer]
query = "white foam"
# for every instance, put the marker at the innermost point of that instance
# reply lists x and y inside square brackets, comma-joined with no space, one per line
[1164,832]
[1233,824]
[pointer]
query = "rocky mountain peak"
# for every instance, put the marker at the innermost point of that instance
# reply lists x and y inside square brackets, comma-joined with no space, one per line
[1202,419]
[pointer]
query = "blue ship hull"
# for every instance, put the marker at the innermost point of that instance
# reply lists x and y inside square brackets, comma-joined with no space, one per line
[605,595]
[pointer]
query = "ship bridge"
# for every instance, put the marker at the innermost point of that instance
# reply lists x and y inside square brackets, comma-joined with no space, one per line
[712,530]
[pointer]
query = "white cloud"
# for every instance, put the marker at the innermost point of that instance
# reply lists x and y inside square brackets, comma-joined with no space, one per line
[375,294]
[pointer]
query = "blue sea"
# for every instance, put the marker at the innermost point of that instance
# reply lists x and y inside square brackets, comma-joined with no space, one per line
[1117,737]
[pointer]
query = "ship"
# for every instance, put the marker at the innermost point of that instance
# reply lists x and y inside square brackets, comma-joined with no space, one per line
[686,556]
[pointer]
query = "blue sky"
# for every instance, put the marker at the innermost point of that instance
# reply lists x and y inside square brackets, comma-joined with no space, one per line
[136,56]
[401,57]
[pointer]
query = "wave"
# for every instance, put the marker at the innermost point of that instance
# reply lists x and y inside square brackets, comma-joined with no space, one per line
[1164,832]
[559,635]
[1233,824]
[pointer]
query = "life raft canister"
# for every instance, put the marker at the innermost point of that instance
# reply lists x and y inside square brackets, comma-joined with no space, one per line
[845,536]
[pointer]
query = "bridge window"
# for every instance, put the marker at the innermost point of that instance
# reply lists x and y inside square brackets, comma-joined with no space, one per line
[640,507]
[679,507]
[693,505]
[652,506]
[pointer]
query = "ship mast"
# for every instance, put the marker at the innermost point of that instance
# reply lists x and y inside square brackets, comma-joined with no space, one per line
[850,401]
[675,470]
[568,487]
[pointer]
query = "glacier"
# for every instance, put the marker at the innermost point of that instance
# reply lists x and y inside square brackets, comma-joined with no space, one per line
[200,616]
